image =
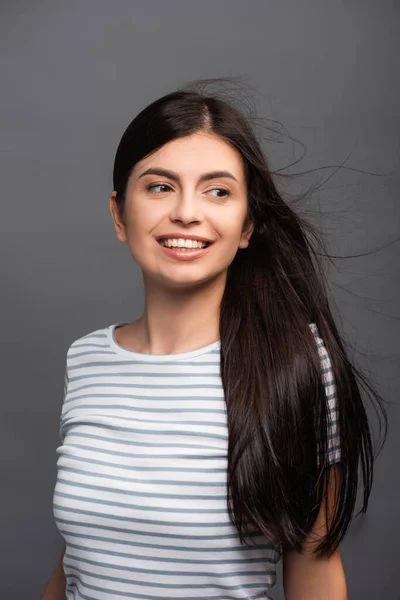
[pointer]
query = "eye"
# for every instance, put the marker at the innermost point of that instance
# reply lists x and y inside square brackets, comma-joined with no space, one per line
[227,192]
[150,187]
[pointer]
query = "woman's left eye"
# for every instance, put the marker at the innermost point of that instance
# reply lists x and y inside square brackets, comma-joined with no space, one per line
[227,192]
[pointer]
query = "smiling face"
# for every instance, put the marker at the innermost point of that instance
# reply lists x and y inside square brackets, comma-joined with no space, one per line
[177,191]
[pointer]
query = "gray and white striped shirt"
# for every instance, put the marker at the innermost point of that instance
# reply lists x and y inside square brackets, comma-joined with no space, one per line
[140,495]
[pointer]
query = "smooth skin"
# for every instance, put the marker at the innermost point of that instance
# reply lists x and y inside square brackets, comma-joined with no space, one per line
[183,201]
[176,290]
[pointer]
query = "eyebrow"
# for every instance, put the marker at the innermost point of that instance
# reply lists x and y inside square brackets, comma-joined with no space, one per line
[175,176]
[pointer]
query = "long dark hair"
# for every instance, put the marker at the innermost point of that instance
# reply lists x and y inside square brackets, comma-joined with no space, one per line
[276,401]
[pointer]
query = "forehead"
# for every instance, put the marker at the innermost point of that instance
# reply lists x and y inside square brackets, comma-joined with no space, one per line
[193,154]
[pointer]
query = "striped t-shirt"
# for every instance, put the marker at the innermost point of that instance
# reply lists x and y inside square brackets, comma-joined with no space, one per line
[140,496]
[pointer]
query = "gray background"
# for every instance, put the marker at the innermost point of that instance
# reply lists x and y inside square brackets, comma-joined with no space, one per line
[73,76]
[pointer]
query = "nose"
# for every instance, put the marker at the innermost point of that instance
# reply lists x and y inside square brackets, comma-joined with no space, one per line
[187,208]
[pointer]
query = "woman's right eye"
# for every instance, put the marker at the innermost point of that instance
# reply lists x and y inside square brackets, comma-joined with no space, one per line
[151,187]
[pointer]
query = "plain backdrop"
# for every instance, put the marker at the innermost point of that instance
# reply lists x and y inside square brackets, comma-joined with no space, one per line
[73,75]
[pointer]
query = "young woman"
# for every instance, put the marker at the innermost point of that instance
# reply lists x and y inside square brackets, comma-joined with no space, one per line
[222,430]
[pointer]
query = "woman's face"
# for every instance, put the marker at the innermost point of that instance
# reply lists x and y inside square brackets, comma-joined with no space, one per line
[178,201]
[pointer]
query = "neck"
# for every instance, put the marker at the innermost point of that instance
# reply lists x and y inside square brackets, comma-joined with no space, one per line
[178,320]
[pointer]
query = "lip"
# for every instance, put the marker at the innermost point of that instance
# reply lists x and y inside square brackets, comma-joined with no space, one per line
[184,236]
[176,253]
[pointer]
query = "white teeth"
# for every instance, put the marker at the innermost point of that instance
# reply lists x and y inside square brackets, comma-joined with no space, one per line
[181,243]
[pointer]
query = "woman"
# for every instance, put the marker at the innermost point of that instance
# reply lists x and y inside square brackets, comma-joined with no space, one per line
[223,429]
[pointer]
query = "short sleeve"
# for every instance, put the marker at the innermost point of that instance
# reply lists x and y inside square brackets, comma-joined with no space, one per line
[64,395]
[328,379]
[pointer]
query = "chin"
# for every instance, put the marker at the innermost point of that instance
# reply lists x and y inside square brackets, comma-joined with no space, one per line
[186,282]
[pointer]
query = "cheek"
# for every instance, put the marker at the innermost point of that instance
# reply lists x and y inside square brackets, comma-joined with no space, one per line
[140,222]
[231,228]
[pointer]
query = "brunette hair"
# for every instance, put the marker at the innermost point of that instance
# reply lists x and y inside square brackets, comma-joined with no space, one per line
[276,401]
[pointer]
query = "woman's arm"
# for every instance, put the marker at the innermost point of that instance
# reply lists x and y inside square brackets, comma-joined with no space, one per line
[55,589]
[306,577]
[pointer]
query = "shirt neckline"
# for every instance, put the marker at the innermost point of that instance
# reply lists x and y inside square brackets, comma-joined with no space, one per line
[154,358]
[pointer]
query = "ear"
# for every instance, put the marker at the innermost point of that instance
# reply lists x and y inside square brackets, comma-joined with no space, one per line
[116,217]
[246,235]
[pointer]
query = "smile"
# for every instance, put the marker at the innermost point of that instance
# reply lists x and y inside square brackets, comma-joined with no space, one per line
[181,253]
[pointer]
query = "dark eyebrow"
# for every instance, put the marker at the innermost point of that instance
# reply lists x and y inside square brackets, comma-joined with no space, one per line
[175,177]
